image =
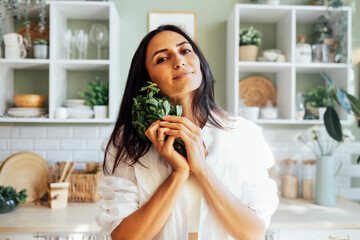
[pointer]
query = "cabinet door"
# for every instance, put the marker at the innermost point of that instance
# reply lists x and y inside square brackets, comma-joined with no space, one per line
[317,234]
[16,236]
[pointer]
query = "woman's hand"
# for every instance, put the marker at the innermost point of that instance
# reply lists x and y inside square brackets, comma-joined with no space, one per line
[182,127]
[165,148]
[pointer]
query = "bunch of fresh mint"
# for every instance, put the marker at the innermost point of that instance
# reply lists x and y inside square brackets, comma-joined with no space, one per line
[152,107]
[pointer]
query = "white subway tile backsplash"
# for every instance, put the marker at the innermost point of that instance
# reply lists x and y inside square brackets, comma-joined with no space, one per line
[101,156]
[59,132]
[94,144]
[40,153]
[86,156]
[9,132]
[72,144]
[33,132]
[106,131]
[2,144]
[4,155]
[59,156]
[20,144]
[44,144]
[85,132]
[269,134]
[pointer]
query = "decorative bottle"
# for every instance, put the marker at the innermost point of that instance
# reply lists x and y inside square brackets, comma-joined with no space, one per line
[303,51]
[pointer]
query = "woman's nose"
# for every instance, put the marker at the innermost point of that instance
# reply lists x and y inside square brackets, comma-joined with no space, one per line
[179,62]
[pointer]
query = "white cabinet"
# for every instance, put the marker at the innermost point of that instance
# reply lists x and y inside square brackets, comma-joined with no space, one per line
[286,22]
[60,13]
[311,234]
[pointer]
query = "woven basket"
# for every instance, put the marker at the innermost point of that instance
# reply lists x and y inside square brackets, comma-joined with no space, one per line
[83,187]
[248,53]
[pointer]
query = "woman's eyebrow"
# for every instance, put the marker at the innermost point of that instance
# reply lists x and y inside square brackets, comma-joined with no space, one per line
[165,49]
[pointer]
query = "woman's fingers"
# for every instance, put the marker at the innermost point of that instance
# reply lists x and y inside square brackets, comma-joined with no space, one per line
[177,126]
[185,121]
[151,132]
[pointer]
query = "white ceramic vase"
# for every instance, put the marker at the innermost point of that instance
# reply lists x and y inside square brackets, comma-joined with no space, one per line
[101,111]
[41,51]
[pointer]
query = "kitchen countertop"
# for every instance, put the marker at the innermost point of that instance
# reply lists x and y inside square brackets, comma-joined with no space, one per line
[79,217]
[304,214]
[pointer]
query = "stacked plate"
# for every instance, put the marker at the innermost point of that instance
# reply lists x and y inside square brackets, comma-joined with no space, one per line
[81,112]
[74,102]
[26,112]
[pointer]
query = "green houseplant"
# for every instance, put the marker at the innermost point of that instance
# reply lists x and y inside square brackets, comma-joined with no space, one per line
[249,40]
[9,198]
[348,102]
[97,96]
[316,100]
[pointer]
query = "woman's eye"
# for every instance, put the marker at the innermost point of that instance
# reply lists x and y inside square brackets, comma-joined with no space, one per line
[186,51]
[160,60]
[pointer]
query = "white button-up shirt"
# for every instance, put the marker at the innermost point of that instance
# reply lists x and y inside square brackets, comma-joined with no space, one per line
[239,157]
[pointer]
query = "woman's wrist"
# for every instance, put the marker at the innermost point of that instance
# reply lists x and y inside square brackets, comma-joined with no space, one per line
[182,174]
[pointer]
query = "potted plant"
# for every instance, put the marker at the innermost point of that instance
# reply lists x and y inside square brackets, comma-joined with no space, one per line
[9,198]
[348,102]
[316,101]
[41,48]
[250,39]
[97,96]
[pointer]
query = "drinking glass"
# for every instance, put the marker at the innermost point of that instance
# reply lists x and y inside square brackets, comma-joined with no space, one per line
[99,36]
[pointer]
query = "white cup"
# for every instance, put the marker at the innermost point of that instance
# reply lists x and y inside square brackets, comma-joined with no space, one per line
[250,113]
[62,113]
[14,40]
[15,52]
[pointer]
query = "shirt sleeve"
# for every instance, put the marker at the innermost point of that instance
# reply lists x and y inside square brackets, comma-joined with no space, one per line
[260,192]
[120,198]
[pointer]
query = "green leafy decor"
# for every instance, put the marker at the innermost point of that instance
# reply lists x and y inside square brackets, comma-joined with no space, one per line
[250,36]
[9,198]
[98,93]
[40,41]
[346,101]
[152,107]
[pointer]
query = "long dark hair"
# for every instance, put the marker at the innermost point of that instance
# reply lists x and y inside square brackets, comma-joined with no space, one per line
[127,146]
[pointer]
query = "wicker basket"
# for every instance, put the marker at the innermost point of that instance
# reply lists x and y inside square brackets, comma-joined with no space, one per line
[83,186]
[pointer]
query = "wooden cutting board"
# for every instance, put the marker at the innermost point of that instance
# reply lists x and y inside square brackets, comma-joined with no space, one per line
[26,170]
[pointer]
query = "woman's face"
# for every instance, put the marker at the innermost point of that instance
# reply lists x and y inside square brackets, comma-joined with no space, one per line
[172,64]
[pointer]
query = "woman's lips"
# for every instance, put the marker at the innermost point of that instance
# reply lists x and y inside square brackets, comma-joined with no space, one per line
[182,75]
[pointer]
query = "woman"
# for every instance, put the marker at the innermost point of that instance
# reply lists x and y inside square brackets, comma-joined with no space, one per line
[150,191]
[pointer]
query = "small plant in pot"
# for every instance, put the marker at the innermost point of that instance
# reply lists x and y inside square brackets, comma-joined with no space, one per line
[249,40]
[41,48]
[9,198]
[316,101]
[97,96]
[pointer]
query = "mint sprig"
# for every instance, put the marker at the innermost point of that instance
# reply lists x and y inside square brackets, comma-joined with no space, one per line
[152,107]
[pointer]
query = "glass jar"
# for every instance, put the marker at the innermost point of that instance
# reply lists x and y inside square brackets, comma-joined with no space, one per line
[290,179]
[308,179]
[303,51]
[300,106]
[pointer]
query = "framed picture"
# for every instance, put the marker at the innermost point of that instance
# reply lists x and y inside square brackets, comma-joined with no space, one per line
[185,20]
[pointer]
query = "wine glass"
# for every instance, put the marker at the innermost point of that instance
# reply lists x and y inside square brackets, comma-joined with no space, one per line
[99,36]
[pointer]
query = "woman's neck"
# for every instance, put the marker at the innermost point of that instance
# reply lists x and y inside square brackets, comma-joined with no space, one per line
[186,102]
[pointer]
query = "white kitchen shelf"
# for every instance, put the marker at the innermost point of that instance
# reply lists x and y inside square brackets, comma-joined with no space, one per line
[263,66]
[54,120]
[60,13]
[25,63]
[286,19]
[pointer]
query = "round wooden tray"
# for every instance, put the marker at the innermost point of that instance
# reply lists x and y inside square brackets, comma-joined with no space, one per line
[256,91]
[26,170]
